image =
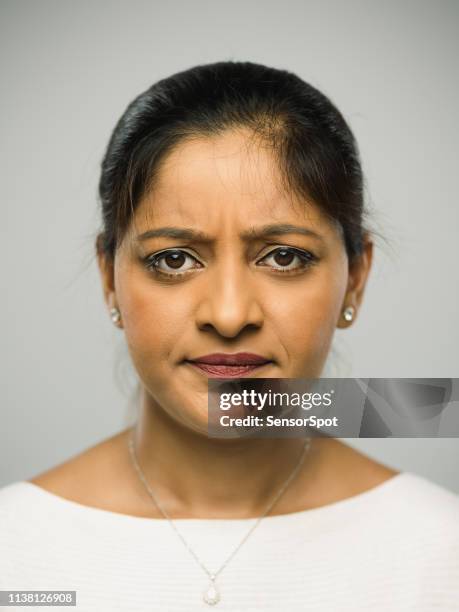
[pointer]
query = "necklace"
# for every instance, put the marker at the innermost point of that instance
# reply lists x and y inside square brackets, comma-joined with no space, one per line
[211,595]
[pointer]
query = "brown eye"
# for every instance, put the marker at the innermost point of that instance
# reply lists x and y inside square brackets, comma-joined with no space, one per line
[284,257]
[172,262]
[175,260]
[289,259]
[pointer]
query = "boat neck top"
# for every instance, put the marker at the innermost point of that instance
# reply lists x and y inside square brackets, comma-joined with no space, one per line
[394,546]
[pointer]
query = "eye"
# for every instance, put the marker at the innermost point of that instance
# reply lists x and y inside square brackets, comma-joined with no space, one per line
[289,259]
[173,262]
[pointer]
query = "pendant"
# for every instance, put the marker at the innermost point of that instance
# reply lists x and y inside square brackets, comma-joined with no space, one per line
[211,595]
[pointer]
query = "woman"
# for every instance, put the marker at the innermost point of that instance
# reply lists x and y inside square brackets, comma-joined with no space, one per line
[233,244]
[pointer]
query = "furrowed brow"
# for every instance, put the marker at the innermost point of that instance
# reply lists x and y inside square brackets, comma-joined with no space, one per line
[278,229]
[181,233]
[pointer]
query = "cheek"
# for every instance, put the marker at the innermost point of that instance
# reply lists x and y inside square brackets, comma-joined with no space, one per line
[306,316]
[153,320]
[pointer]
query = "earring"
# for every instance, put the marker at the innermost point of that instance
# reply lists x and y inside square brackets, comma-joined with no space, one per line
[115,315]
[348,313]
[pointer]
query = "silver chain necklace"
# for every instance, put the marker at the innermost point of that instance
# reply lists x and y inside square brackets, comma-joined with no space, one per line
[211,595]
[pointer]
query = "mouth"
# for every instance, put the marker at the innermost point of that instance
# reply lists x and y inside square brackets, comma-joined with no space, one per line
[225,365]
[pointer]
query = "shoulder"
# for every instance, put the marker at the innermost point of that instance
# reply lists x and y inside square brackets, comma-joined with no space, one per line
[430,505]
[94,477]
[422,529]
[417,519]
[408,517]
[350,471]
[403,495]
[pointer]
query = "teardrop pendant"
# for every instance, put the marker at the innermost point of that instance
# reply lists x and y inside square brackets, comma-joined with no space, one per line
[211,595]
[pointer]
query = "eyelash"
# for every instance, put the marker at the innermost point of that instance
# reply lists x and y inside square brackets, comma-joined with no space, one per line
[307,259]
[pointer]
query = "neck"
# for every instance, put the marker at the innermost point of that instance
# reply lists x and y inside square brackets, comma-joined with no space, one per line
[192,475]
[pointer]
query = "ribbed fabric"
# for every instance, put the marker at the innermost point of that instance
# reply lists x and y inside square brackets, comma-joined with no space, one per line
[394,547]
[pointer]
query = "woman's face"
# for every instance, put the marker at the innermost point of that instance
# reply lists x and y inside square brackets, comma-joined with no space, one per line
[219,260]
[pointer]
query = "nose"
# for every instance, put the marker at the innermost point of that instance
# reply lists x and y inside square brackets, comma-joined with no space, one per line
[230,303]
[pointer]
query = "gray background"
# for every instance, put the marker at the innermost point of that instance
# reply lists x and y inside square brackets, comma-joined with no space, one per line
[68,71]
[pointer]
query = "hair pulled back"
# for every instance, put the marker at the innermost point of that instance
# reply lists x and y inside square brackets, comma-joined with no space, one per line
[316,151]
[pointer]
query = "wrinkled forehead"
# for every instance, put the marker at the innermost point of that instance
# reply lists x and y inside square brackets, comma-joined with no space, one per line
[226,182]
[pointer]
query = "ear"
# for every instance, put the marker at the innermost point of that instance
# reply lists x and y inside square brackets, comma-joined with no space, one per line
[107,272]
[359,270]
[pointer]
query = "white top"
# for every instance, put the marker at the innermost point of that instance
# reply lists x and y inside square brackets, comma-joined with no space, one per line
[394,547]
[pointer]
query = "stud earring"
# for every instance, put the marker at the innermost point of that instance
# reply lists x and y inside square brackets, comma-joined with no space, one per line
[348,313]
[115,315]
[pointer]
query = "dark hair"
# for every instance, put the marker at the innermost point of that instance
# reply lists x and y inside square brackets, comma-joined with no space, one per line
[316,150]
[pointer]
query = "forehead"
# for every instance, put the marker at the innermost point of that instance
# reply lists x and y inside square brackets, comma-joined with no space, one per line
[232,179]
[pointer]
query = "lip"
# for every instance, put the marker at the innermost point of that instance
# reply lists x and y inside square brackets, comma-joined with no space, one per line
[231,359]
[226,371]
[228,365]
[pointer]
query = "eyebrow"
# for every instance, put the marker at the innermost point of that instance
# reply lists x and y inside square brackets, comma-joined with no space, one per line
[273,229]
